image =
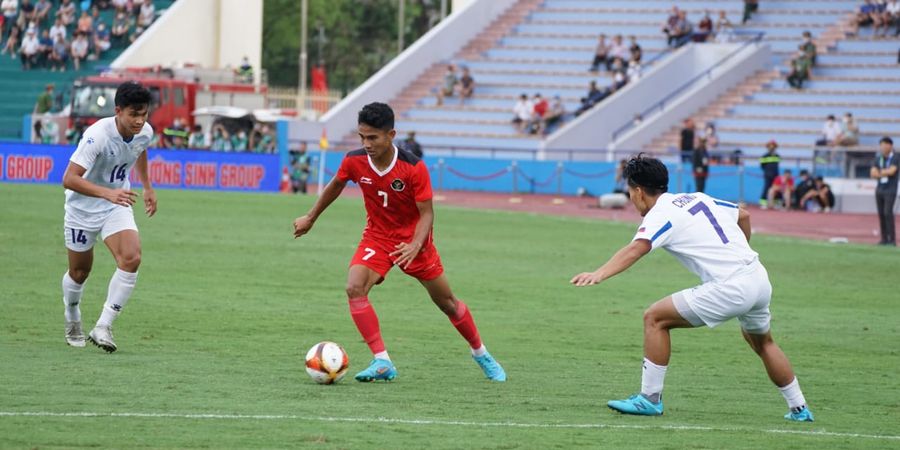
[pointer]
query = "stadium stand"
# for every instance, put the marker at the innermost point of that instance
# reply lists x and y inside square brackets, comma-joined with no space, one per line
[857,74]
[20,88]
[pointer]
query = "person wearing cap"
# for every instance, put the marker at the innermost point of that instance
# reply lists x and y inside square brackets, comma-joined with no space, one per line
[31,45]
[885,171]
[769,164]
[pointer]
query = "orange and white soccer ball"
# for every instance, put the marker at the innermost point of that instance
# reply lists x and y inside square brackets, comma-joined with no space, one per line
[327,362]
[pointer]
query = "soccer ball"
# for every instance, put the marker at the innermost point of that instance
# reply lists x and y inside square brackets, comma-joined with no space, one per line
[327,362]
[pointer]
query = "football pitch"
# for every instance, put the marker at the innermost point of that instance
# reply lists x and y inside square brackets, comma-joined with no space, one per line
[211,344]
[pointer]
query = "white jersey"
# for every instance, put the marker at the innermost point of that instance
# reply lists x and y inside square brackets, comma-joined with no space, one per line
[108,160]
[701,232]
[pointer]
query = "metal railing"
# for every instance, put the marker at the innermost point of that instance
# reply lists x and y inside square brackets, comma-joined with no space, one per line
[314,104]
[660,105]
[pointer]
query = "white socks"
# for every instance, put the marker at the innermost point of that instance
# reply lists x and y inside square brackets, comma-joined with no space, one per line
[72,298]
[793,396]
[120,287]
[652,380]
[480,351]
[382,355]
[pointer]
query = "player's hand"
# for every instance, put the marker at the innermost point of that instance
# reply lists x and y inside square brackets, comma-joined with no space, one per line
[121,197]
[405,253]
[150,202]
[302,225]
[586,279]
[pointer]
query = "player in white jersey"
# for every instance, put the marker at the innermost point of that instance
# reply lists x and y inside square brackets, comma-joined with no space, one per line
[98,201]
[711,238]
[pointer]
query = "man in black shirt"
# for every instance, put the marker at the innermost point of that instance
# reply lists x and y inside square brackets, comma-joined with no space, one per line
[805,184]
[885,171]
[769,164]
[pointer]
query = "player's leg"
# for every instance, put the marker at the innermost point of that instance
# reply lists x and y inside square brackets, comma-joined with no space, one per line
[659,318]
[125,246]
[461,318]
[367,268]
[80,264]
[779,369]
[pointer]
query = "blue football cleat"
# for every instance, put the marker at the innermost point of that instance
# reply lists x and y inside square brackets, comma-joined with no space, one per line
[490,366]
[804,415]
[379,369]
[638,405]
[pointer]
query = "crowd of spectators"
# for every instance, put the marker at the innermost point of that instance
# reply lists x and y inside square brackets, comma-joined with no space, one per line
[48,36]
[881,15]
[537,115]
[453,85]
[844,134]
[679,30]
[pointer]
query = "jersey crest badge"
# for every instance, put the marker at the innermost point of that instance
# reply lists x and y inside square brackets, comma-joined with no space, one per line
[398,185]
[90,140]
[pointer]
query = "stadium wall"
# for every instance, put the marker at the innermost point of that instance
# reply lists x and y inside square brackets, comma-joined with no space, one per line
[595,128]
[173,169]
[209,33]
[439,44]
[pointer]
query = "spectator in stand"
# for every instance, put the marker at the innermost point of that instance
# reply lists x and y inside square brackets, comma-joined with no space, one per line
[635,49]
[782,187]
[245,71]
[864,17]
[633,72]
[769,165]
[688,140]
[594,96]
[26,14]
[10,9]
[724,28]
[12,43]
[830,132]
[822,194]
[221,139]
[670,26]
[299,168]
[138,31]
[892,17]
[799,71]
[849,135]
[58,30]
[555,114]
[60,57]
[79,49]
[46,48]
[712,138]
[704,28]
[601,53]
[413,146]
[541,106]
[700,162]
[448,87]
[619,79]
[147,14]
[198,138]
[885,171]
[805,184]
[466,85]
[44,101]
[125,6]
[120,27]
[522,112]
[683,30]
[808,47]
[85,24]
[42,12]
[617,51]
[30,49]
[750,7]
[66,12]
[101,40]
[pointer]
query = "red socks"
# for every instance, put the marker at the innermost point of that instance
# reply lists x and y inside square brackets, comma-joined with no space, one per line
[367,323]
[466,325]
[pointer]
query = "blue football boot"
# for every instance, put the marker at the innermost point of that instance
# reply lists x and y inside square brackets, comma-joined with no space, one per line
[490,366]
[804,415]
[638,405]
[379,369]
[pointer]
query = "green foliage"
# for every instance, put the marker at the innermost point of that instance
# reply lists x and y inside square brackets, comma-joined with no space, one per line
[361,37]
[227,303]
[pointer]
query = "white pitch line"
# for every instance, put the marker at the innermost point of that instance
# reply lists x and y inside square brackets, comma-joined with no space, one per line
[448,423]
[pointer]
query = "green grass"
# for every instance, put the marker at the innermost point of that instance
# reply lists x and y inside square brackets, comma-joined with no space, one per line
[228,303]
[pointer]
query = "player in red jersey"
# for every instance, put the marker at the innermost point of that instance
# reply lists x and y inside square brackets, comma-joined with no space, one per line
[399,218]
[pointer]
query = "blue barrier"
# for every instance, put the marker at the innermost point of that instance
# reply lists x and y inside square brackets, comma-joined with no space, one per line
[177,169]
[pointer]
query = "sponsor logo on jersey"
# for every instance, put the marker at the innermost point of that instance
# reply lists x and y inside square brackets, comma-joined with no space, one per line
[90,140]
[365,180]
[398,184]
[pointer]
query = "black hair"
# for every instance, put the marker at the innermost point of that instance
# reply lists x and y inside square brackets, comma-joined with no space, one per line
[377,115]
[820,178]
[804,172]
[648,173]
[886,140]
[134,94]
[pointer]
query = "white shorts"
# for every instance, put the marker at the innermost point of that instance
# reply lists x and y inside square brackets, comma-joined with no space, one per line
[745,295]
[81,237]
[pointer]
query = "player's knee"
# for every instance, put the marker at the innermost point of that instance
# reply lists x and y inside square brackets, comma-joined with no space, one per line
[356,289]
[652,319]
[130,261]
[79,275]
[446,304]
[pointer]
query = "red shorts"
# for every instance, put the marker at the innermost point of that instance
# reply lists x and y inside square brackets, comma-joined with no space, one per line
[376,256]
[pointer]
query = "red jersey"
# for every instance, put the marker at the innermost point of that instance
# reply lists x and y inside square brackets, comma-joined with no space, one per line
[391,195]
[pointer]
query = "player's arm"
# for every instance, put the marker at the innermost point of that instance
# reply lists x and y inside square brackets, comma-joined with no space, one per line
[304,223]
[74,179]
[744,222]
[143,172]
[622,260]
[406,252]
